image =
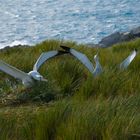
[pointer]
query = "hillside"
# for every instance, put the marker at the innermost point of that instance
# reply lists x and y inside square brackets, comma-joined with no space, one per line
[73,104]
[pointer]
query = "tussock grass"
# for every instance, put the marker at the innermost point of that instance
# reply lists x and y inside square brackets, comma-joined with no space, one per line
[73,104]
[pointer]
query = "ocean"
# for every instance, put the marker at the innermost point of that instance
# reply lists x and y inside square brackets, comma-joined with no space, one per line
[84,21]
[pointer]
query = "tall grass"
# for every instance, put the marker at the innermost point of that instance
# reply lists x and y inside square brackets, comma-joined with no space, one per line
[73,104]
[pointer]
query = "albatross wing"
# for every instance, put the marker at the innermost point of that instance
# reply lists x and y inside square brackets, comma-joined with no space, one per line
[81,57]
[128,60]
[14,72]
[45,56]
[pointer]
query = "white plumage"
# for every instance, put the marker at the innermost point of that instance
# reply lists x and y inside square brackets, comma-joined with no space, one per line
[85,61]
[83,58]
[28,78]
[43,57]
[128,60]
[98,68]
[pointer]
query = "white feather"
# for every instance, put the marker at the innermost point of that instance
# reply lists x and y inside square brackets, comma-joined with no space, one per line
[98,68]
[83,58]
[128,60]
[44,57]
[27,78]
[14,72]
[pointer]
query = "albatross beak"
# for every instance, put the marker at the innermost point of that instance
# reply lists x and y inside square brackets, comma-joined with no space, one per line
[45,80]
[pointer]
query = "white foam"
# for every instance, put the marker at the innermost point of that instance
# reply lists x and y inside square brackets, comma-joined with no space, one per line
[11,14]
[15,43]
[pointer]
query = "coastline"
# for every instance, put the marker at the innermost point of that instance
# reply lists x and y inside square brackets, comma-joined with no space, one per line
[108,41]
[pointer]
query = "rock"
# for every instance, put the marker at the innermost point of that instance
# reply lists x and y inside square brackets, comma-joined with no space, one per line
[136,32]
[110,40]
[118,37]
[126,36]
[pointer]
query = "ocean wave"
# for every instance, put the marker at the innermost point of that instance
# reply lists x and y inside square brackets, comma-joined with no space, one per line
[82,21]
[15,43]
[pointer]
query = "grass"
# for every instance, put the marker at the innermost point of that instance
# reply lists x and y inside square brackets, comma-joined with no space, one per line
[73,104]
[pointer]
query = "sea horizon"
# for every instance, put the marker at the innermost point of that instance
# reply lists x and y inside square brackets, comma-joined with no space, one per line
[83,21]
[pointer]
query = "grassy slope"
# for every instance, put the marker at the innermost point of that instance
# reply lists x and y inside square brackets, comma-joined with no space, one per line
[73,105]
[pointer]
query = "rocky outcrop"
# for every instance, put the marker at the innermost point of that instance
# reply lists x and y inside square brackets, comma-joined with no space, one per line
[136,32]
[118,37]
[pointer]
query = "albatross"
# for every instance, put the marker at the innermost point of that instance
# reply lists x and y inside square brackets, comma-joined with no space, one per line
[98,68]
[85,61]
[29,78]
[128,60]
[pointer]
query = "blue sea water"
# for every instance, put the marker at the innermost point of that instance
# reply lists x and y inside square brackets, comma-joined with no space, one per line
[84,21]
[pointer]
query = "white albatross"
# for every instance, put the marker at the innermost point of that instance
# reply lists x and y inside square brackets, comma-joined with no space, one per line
[29,78]
[128,60]
[85,61]
[98,68]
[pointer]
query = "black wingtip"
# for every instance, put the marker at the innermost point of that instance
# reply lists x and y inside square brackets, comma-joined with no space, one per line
[65,48]
[62,52]
[136,50]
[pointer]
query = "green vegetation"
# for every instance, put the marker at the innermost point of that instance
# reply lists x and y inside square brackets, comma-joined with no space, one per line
[73,105]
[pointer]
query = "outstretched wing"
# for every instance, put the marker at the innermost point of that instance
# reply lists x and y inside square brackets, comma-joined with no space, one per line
[14,72]
[128,60]
[81,57]
[45,56]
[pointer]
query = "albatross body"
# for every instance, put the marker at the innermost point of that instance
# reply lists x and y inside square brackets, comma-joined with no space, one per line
[98,68]
[85,61]
[29,78]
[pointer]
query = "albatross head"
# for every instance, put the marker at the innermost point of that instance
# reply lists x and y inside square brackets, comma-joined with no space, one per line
[37,76]
[96,58]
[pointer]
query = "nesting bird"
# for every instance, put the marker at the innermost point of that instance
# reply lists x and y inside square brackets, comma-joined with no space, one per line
[29,78]
[98,68]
